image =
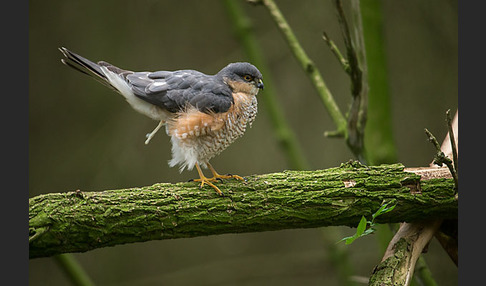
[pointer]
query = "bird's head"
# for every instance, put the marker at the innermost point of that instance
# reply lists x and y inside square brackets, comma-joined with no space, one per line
[242,77]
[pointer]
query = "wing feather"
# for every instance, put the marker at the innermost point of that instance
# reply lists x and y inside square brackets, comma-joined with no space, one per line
[174,91]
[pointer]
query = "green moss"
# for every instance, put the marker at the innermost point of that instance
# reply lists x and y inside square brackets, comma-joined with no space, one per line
[292,199]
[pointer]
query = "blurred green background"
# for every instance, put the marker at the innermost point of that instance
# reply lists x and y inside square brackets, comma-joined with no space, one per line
[84,136]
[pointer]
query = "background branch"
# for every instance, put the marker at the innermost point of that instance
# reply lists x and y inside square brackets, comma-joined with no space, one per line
[450,150]
[355,51]
[81,221]
[73,270]
[352,127]
[244,32]
[379,130]
[309,67]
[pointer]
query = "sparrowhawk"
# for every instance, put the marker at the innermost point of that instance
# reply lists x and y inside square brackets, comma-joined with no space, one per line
[203,114]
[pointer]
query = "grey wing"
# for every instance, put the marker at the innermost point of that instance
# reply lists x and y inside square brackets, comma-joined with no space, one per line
[173,91]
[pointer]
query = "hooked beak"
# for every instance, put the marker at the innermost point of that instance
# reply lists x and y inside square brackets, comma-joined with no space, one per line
[260,84]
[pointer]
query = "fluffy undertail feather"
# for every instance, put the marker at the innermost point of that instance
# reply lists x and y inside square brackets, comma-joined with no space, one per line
[185,157]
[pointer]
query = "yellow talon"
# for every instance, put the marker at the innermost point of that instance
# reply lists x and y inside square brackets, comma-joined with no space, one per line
[218,176]
[208,181]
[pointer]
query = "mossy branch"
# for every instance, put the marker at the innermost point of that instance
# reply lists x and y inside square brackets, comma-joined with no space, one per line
[80,221]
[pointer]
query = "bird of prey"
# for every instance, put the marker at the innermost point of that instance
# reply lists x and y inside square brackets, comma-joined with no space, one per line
[202,114]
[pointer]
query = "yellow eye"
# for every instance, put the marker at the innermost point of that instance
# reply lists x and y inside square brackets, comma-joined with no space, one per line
[247,77]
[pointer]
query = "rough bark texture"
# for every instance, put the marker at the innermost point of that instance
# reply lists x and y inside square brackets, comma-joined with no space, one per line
[398,264]
[80,221]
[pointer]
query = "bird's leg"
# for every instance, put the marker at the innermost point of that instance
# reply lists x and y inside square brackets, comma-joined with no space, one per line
[204,180]
[217,176]
[151,134]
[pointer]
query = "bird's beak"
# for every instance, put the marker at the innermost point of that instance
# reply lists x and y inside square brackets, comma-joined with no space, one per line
[260,83]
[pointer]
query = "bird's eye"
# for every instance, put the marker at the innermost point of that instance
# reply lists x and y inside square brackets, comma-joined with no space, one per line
[247,77]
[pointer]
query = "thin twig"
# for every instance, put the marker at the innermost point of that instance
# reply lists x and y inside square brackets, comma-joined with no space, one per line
[452,139]
[357,114]
[315,76]
[335,50]
[432,140]
[440,158]
[354,68]
[448,232]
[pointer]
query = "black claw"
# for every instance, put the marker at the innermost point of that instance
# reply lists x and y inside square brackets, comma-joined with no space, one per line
[191,180]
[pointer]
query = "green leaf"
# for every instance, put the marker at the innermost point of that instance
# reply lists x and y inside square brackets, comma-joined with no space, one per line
[360,230]
[383,209]
[361,226]
[363,223]
[368,231]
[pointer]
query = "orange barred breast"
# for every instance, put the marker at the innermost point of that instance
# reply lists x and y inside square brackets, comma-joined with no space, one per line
[207,134]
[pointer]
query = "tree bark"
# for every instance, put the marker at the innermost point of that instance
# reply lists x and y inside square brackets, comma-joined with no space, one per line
[398,263]
[79,221]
